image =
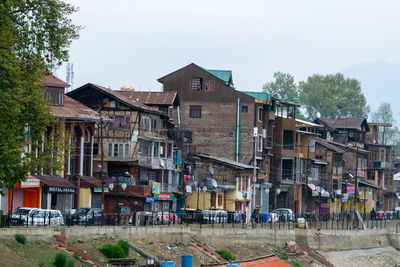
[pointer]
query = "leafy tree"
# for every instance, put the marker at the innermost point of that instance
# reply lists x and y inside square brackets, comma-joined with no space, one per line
[34,37]
[284,87]
[384,114]
[332,96]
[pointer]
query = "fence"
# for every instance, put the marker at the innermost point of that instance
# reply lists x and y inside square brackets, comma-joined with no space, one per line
[339,221]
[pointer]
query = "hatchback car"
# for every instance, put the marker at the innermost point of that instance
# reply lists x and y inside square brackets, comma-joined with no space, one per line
[22,215]
[47,217]
[87,216]
[284,215]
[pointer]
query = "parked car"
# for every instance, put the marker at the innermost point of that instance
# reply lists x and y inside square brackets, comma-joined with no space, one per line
[47,217]
[87,216]
[22,215]
[284,215]
[124,212]
[215,216]
[167,218]
[192,216]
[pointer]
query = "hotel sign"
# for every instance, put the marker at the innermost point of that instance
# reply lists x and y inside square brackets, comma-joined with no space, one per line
[30,183]
[56,189]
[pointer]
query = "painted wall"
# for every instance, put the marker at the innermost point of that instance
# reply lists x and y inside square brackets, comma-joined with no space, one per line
[85,198]
[204,200]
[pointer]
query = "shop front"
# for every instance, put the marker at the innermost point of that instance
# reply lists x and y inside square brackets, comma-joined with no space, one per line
[25,194]
[57,193]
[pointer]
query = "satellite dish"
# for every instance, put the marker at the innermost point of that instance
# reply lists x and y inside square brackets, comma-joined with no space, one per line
[214,183]
[204,188]
[211,169]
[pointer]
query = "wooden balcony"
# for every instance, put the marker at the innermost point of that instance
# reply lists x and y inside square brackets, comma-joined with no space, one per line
[141,190]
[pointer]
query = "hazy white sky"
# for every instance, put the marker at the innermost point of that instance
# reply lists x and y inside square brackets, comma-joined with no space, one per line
[133,43]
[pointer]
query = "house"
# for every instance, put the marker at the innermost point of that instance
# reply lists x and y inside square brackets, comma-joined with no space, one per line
[135,151]
[60,187]
[381,168]
[220,121]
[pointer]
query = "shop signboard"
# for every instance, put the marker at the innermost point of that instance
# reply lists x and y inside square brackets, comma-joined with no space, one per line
[345,198]
[164,197]
[30,183]
[149,199]
[360,174]
[98,189]
[56,189]
[350,190]
[156,188]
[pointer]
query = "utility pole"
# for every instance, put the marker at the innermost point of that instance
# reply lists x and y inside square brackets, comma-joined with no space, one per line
[102,163]
[253,200]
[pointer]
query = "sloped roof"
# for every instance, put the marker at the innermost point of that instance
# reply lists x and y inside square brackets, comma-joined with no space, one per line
[152,98]
[73,109]
[115,94]
[53,80]
[346,123]
[53,180]
[224,75]
[326,144]
[225,161]
[263,96]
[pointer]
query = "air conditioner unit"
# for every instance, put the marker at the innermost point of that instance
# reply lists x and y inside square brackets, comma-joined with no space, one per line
[255,132]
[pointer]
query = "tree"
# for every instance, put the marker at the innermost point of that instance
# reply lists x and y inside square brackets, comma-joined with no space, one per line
[332,96]
[284,87]
[384,114]
[34,37]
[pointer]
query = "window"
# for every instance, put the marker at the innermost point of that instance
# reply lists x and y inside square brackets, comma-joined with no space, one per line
[54,97]
[155,150]
[245,109]
[210,85]
[220,197]
[163,108]
[260,143]
[196,84]
[145,149]
[121,122]
[287,169]
[145,124]
[335,184]
[156,125]
[118,150]
[162,150]
[195,111]
[260,114]
[287,139]
[169,150]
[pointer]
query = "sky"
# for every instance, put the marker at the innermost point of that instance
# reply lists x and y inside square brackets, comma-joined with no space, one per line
[133,43]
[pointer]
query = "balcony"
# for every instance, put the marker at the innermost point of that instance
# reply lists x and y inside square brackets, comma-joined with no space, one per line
[141,190]
[387,165]
[156,163]
[169,188]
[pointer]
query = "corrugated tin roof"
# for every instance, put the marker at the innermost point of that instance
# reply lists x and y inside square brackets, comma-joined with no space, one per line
[73,109]
[224,75]
[309,123]
[53,80]
[263,96]
[345,123]
[151,98]
[226,161]
[52,180]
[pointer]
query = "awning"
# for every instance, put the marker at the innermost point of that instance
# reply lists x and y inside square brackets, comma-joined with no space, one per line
[320,162]
[362,183]
[56,184]
[311,186]
[87,181]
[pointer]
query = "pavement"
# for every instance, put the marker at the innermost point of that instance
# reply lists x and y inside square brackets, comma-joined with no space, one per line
[384,256]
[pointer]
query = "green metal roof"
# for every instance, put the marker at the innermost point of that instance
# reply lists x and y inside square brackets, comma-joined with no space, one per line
[263,96]
[224,75]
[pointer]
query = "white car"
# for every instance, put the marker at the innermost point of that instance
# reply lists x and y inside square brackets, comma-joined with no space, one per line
[20,215]
[47,217]
[284,215]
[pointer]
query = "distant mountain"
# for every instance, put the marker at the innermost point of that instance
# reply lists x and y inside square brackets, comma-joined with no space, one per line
[380,81]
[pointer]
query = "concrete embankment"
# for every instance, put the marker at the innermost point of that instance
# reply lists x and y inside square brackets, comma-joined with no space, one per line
[323,239]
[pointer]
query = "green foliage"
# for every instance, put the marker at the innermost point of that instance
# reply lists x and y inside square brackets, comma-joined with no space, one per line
[60,260]
[113,251]
[384,114]
[284,87]
[34,37]
[124,245]
[284,255]
[332,96]
[70,263]
[226,255]
[295,263]
[20,238]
